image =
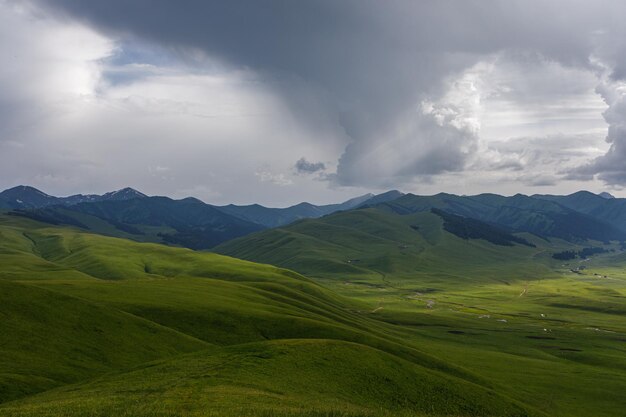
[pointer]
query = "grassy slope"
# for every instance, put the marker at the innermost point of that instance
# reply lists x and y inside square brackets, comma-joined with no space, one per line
[284,377]
[48,339]
[374,243]
[511,314]
[96,305]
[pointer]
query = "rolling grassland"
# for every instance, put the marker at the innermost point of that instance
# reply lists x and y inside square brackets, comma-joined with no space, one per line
[103,326]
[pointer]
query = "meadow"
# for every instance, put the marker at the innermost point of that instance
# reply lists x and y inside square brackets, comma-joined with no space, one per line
[544,331]
[385,320]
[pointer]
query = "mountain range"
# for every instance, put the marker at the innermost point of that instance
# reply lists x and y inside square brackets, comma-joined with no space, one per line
[187,222]
[610,210]
[519,213]
[275,217]
[192,223]
[24,196]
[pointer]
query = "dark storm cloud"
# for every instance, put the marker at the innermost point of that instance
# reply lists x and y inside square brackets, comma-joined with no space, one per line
[611,167]
[368,65]
[367,62]
[303,166]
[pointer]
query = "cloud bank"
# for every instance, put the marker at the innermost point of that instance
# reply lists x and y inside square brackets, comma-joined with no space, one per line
[226,95]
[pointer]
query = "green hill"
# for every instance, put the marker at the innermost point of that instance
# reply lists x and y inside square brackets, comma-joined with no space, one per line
[92,305]
[371,242]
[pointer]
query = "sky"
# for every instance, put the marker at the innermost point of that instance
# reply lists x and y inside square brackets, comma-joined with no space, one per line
[277,102]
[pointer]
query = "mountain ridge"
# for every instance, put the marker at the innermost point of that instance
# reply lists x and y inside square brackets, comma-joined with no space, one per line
[276,217]
[519,213]
[27,197]
[131,214]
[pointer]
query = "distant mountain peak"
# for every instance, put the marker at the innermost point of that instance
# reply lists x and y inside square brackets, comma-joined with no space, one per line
[303,205]
[606,195]
[357,200]
[440,194]
[383,198]
[128,190]
[24,196]
[123,194]
[25,189]
[390,193]
[190,200]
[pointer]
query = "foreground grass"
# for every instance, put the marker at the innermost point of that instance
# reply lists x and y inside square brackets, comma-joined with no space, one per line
[320,376]
[49,339]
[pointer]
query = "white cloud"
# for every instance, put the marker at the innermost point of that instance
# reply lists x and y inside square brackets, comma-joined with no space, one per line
[164,130]
[265,175]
